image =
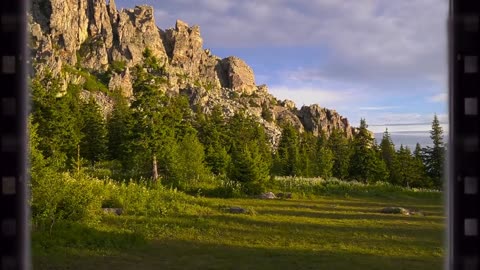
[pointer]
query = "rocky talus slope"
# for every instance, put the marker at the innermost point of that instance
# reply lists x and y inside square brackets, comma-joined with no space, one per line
[93,34]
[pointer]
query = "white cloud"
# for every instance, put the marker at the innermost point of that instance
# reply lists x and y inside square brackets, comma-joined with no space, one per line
[368,40]
[374,47]
[378,108]
[439,98]
[305,95]
[404,129]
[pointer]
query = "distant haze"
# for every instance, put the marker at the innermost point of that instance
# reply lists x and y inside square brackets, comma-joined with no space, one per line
[409,139]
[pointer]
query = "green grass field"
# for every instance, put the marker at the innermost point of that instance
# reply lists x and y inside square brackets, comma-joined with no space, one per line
[328,232]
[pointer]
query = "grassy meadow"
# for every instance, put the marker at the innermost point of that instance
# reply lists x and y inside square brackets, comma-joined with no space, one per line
[336,225]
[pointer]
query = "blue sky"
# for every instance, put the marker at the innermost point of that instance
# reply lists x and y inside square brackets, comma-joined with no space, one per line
[382,60]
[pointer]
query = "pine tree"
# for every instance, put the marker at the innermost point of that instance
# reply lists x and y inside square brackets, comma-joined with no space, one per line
[307,158]
[250,153]
[418,152]
[59,118]
[153,136]
[434,156]
[191,169]
[248,168]
[366,165]
[120,127]
[287,156]
[387,149]
[323,157]
[411,172]
[341,150]
[211,133]
[93,146]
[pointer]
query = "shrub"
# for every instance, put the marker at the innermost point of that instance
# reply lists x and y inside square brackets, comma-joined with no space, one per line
[60,196]
[118,66]
[333,186]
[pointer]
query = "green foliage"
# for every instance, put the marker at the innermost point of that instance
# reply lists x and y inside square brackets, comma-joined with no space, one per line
[250,153]
[342,151]
[152,135]
[58,119]
[387,150]
[93,145]
[92,83]
[152,64]
[334,186]
[248,168]
[366,164]
[118,66]
[434,157]
[267,113]
[120,126]
[191,162]
[287,156]
[60,196]
[324,161]
[90,45]
[411,172]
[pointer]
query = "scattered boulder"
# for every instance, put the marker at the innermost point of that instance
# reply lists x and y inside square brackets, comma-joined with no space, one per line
[396,210]
[286,195]
[117,211]
[237,210]
[267,195]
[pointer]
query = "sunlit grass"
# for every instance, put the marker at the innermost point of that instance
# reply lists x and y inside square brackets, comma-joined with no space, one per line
[330,232]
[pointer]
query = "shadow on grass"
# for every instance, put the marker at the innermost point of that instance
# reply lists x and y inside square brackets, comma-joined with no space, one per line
[342,205]
[77,235]
[349,215]
[177,254]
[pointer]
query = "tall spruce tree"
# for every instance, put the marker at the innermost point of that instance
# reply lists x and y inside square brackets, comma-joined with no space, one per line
[59,116]
[435,156]
[387,149]
[287,156]
[191,162]
[120,126]
[93,145]
[366,164]
[153,136]
[323,157]
[250,153]
[342,152]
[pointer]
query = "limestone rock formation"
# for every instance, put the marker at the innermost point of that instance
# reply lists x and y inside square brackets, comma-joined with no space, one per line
[317,119]
[92,35]
[240,75]
[122,82]
[135,31]
[190,63]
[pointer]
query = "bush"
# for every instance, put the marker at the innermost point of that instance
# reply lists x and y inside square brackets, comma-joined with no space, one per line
[118,66]
[60,196]
[333,186]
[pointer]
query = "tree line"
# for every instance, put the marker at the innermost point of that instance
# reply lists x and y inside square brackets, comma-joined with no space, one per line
[160,137]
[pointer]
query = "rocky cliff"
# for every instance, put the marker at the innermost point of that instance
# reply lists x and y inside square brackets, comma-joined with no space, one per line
[93,35]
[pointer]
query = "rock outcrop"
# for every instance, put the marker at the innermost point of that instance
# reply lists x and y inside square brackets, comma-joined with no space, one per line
[92,35]
[239,75]
[122,82]
[317,119]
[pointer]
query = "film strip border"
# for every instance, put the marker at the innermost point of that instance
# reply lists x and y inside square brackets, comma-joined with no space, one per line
[464,137]
[14,233]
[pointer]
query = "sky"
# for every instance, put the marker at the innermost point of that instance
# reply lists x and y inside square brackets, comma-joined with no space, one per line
[385,61]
